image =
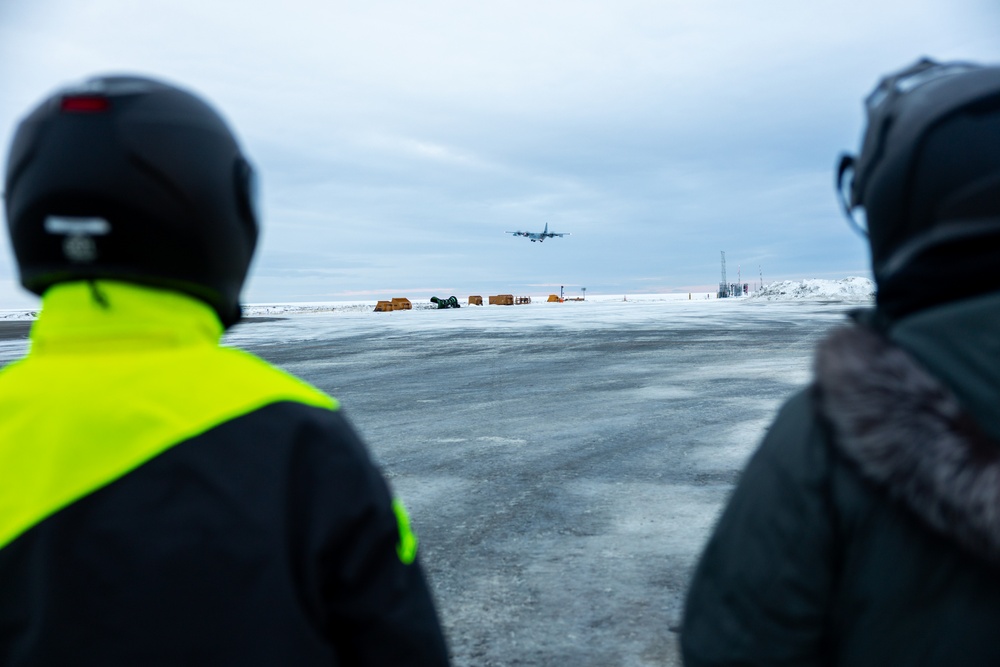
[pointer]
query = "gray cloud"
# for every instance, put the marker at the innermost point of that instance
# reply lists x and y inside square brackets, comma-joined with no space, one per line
[398,141]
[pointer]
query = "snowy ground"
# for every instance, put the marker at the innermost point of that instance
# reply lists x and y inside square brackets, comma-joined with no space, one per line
[563,462]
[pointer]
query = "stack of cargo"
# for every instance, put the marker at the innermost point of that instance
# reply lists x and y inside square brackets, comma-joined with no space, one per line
[396,304]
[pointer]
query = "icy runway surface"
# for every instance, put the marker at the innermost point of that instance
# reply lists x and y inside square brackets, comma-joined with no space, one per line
[563,463]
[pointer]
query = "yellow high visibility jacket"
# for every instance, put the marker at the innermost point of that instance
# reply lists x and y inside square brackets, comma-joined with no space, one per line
[165,500]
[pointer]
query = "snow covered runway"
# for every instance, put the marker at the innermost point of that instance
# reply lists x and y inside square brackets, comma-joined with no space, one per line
[563,463]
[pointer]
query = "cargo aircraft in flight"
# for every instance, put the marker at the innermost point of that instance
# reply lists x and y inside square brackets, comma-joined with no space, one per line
[539,236]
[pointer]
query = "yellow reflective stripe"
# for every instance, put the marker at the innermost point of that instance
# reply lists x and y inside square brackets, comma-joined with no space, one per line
[71,423]
[406,548]
[68,427]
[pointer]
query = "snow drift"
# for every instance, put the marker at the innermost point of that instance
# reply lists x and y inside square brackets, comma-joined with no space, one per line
[848,290]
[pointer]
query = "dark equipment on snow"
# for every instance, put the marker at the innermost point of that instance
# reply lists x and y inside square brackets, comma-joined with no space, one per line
[450,302]
[132,179]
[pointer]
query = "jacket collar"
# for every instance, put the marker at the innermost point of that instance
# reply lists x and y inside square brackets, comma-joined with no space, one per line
[907,432]
[959,343]
[108,316]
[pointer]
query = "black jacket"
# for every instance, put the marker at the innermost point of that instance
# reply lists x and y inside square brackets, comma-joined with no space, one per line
[166,501]
[866,528]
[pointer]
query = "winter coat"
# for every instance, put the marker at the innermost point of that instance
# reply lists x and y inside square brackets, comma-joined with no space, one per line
[865,530]
[167,501]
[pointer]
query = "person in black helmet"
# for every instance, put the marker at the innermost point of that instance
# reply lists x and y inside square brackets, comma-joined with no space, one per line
[865,530]
[165,500]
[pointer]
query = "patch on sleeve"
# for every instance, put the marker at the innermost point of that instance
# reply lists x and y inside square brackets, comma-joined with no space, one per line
[406,548]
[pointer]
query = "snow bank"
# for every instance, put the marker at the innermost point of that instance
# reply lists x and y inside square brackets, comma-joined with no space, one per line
[281,309]
[18,315]
[850,290]
[286,309]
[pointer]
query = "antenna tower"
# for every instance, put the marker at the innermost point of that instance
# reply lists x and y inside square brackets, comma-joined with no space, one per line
[723,285]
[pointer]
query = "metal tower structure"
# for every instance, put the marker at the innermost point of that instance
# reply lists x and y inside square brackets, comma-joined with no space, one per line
[723,284]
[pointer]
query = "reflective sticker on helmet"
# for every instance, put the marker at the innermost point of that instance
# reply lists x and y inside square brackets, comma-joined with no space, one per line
[65,225]
[406,548]
[79,247]
[85,104]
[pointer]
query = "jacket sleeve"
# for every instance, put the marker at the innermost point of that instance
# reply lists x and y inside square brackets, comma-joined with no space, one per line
[370,597]
[761,592]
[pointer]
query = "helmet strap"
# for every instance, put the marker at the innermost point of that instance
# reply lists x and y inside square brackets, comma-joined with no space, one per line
[847,164]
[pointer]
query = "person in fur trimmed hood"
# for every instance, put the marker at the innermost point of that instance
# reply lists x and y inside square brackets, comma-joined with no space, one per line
[865,530]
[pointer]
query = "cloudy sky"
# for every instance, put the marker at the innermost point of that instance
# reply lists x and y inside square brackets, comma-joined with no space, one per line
[398,140]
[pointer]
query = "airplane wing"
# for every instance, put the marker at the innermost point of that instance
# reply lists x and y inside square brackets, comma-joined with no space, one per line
[538,236]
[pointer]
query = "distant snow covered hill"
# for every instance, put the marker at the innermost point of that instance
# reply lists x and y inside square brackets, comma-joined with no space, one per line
[854,290]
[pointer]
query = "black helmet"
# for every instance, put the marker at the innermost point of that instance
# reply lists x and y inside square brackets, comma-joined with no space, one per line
[928,180]
[132,179]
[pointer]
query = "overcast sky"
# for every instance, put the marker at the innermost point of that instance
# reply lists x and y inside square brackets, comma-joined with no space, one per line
[398,140]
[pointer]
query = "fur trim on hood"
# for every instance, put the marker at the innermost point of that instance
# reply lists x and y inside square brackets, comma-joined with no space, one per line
[908,433]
